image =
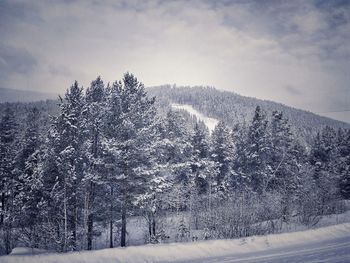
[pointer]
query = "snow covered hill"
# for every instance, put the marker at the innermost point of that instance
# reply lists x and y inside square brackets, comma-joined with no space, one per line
[209,122]
[14,95]
[235,109]
[204,250]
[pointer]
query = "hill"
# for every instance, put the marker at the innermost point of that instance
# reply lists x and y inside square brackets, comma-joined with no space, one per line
[235,109]
[229,107]
[13,95]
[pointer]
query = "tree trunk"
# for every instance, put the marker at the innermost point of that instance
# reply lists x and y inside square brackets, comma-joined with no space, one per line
[8,239]
[90,230]
[123,233]
[149,219]
[65,215]
[124,207]
[74,216]
[153,225]
[111,221]
[90,219]
[2,208]
[74,227]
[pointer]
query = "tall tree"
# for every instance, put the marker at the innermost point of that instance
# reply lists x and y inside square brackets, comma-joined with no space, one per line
[257,151]
[64,176]
[134,123]
[93,116]
[325,175]
[8,131]
[222,153]
[28,167]
[343,162]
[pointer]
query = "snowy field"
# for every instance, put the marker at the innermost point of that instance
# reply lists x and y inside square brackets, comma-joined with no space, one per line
[209,122]
[137,228]
[331,243]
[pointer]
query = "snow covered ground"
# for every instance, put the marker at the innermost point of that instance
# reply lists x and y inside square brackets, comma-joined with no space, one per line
[210,122]
[137,228]
[332,242]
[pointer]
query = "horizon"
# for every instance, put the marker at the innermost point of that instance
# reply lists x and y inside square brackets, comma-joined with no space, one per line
[177,86]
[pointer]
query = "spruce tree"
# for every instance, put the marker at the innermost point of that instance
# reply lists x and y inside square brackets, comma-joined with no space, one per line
[222,153]
[257,151]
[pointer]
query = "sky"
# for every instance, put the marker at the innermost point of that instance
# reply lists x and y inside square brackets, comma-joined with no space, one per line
[294,52]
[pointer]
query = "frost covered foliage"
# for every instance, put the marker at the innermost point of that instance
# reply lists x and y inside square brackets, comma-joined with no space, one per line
[108,155]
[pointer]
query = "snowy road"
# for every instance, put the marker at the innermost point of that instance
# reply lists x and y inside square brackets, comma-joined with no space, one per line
[337,250]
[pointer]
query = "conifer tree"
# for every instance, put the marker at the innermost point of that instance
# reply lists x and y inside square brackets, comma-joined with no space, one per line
[8,131]
[93,113]
[257,151]
[134,121]
[222,153]
[30,184]
[64,176]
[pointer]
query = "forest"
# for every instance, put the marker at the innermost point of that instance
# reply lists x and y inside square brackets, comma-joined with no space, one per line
[110,152]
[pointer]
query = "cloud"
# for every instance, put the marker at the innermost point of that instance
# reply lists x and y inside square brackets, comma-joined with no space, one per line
[292,90]
[251,47]
[15,61]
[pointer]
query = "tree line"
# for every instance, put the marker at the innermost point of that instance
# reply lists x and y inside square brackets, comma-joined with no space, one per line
[109,155]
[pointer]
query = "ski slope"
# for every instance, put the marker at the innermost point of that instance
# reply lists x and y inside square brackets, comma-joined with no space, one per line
[332,242]
[209,122]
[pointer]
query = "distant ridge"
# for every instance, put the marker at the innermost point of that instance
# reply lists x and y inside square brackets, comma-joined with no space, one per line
[229,107]
[15,95]
[234,109]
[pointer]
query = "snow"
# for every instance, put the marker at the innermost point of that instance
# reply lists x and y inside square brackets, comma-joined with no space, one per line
[209,122]
[197,251]
[27,251]
[137,228]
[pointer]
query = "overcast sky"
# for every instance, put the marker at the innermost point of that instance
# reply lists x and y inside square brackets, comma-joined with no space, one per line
[294,52]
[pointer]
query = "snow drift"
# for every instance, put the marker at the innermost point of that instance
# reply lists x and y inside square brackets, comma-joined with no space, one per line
[188,251]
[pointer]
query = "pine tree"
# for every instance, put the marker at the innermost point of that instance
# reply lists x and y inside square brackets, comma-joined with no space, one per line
[8,132]
[200,155]
[343,162]
[134,121]
[64,171]
[284,162]
[325,175]
[257,151]
[28,168]
[93,116]
[177,152]
[222,153]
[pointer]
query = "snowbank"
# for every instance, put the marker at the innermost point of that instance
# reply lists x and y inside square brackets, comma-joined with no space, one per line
[188,251]
[27,251]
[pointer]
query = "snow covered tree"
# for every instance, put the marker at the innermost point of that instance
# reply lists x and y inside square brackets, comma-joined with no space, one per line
[28,165]
[200,155]
[284,162]
[256,152]
[63,173]
[93,112]
[8,132]
[343,163]
[222,153]
[177,152]
[134,122]
[325,175]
